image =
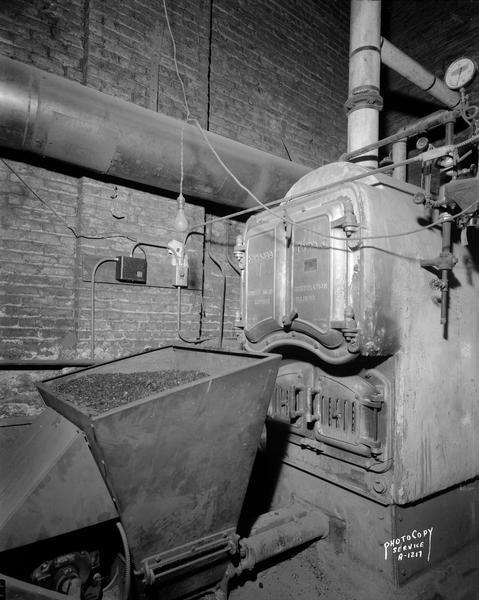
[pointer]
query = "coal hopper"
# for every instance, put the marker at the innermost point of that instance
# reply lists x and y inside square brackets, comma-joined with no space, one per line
[176,461]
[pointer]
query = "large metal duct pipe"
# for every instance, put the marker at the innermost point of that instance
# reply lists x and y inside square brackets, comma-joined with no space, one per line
[64,120]
[364,101]
[403,64]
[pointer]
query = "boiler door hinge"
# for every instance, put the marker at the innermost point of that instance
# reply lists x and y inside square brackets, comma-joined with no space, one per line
[348,222]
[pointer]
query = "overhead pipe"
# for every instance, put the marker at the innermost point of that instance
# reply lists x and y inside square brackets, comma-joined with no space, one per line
[364,101]
[406,66]
[441,117]
[64,120]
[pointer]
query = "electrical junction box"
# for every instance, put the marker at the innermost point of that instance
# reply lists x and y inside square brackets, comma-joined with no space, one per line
[181,276]
[131,270]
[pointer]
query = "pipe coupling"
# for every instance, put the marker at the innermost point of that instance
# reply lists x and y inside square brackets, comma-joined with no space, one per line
[365,96]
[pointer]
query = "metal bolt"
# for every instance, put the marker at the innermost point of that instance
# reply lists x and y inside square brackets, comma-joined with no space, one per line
[379,486]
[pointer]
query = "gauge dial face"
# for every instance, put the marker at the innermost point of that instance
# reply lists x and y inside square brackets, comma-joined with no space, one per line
[460,72]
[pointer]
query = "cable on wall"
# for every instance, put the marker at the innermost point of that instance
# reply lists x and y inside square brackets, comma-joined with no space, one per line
[102,236]
[92,300]
[294,197]
[191,119]
[266,207]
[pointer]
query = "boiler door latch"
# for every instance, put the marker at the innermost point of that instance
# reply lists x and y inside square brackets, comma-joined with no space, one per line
[349,329]
[287,320]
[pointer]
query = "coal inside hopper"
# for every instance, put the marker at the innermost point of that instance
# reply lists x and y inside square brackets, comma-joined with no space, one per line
[176,461]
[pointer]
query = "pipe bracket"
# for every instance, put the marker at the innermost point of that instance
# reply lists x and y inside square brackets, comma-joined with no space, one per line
[366,96]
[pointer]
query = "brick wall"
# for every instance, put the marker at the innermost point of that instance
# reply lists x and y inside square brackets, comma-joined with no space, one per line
[271,74]
[279,76]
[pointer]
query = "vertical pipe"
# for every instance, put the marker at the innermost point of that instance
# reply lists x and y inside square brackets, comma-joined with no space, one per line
[446,251]
[449,132]
[364,102]
[399,155]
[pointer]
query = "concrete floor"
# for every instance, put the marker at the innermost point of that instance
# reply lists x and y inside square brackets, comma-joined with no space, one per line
[318,573]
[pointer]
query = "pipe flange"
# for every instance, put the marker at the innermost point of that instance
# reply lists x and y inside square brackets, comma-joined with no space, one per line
[365,96]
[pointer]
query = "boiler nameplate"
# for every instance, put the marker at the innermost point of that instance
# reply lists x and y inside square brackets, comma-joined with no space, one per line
[260,266]
[311,273]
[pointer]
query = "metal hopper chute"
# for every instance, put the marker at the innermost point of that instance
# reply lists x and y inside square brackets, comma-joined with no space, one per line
[177,462]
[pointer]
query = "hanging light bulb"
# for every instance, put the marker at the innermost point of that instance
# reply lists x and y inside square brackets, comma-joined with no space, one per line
[181,223]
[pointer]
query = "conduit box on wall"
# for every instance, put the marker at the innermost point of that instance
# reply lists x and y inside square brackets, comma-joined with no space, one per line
[131,270]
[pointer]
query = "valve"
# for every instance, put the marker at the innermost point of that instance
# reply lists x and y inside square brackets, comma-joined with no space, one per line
[443,264]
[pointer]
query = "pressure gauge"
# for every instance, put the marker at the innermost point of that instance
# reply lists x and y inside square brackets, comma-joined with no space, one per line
[460,72]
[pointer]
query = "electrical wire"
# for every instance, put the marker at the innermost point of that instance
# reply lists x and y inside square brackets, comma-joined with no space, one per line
[182,154]
[185,99]
[262,205]
[92,302]
[141,244]
[126,550]
[330,186]
[290,198]
[266,207]
[194,120]
[198,340]
[302,195]
[102,236]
